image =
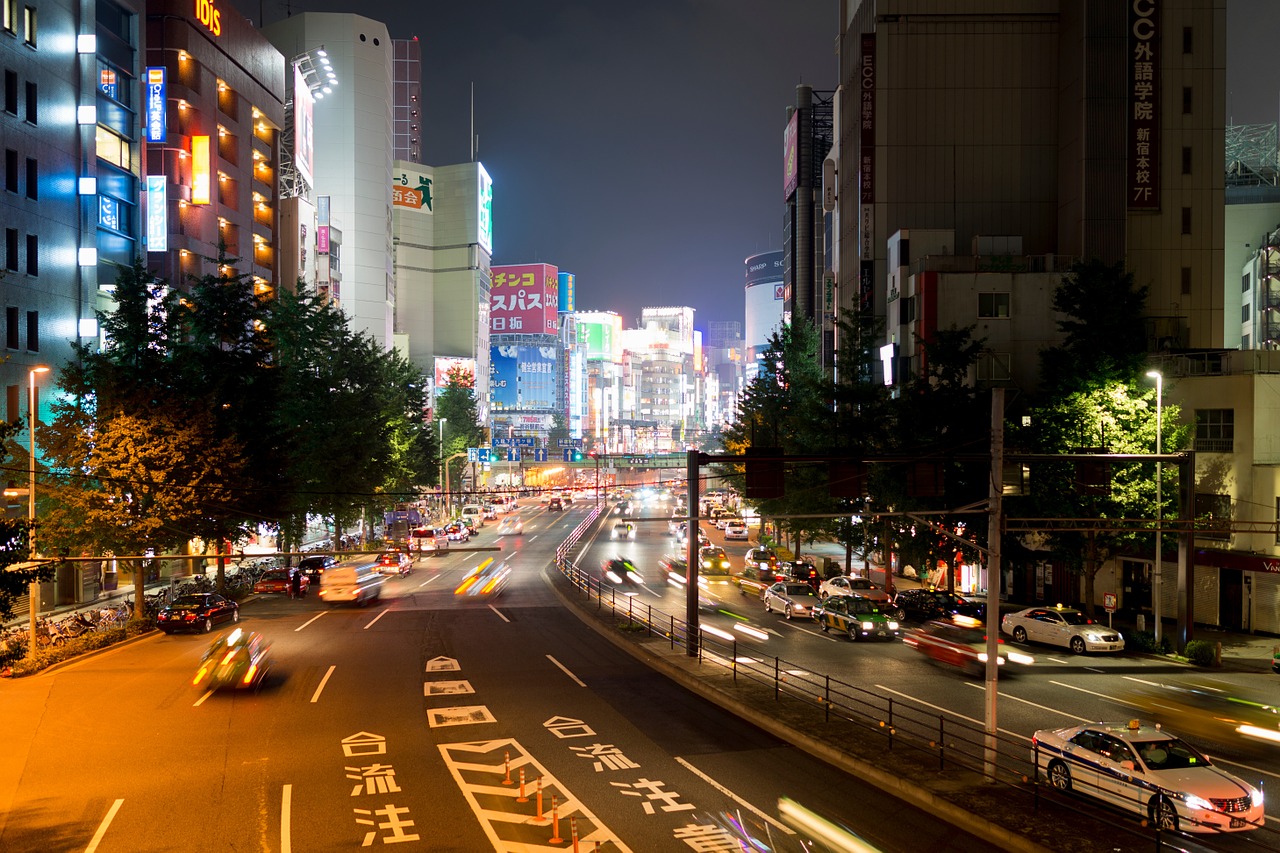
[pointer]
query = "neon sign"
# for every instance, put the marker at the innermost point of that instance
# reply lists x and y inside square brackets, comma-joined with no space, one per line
[209,16]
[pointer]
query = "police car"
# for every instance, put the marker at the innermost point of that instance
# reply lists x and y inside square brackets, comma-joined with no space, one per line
[1141,768]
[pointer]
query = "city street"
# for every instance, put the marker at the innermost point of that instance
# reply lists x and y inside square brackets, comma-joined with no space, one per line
[409,721]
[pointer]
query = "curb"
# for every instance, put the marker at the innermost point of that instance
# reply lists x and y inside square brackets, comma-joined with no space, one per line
[897,786]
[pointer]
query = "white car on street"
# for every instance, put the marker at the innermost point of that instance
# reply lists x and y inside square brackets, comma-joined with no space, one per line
[735,529]
[1141,768]
[1061,626]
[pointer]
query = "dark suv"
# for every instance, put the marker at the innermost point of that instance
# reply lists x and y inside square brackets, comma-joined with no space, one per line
[925,604]
[314,567]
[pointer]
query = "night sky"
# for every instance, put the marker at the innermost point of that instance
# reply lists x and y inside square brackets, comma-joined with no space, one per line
[639,144]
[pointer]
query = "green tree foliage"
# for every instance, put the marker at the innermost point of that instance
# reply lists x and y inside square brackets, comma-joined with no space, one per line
[462,428]
[15,550]
[1105,338]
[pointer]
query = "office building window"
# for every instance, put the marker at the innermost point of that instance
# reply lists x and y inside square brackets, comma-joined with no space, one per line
[31,103]
[1186,40]
[1244,313]
[11,327]
[1215,430]
[29,24]
[112,147]
[1186,220]
[11,92]
[1186,100]
[10,170]
[1186,159]
[993,305]
[1186,281]
[33,331]
[11,16]
[11,249]
[33,179]
[33,254]
[994,367]
[1244,283]
[12,394]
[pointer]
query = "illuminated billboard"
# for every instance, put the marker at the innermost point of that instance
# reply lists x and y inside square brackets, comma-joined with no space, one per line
[157,214]
[304,130]
[412,191]
[524,299]
[567,283]
[200,170]
[157,130]
[444,364]
[791,157]
[528,375]
[484,214]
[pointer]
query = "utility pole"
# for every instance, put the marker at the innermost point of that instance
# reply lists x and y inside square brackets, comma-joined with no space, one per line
[995,526]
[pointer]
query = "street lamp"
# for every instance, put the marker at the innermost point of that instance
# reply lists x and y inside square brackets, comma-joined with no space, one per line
[33,592]
[444,474]
[1155,575]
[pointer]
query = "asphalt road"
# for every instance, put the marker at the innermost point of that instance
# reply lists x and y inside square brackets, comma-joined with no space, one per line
[1059,690]
[411,721]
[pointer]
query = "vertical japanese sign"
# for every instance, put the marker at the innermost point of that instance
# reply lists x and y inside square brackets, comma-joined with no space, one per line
[566,291]
[157,131]
[322,225]
[866,172]
[484,212]
[791,157]
[304,132]
[524,299]
[157,214]
[200,170]
[1144,105]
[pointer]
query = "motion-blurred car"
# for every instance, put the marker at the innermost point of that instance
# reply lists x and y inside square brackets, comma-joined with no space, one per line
[197,611]
[456,531]
[510,525]
[393,563]
[710,590]
[490,512]
[857,617]
[961,643]
[735,529]
[1219,711]
[239,660]
[849,585]
[1061,626]
[280,580]
[713,560]
[485,582]
[791,599]
[1142,768]
[313,568]
[925,604]
[620,571]
[622,530]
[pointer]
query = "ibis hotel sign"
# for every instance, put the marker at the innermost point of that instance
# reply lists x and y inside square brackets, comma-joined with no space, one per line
[209,16]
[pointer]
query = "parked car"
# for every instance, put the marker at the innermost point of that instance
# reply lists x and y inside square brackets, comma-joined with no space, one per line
[394,563]
[1061,626]
[925,604]
[314,567]
[238,661]
[736,529]
[281,580]
[850,585]
[859,618]
[1142,768]
[197,612]
[791,599]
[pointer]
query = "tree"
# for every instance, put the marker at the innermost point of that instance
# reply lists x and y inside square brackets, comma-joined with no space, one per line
[462,428]
[16,573]
[1105,340]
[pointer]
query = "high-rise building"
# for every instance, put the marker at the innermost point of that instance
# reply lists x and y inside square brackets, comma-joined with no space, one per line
[406,83]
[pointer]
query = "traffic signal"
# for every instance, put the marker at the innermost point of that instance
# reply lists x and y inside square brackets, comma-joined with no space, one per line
[577,456]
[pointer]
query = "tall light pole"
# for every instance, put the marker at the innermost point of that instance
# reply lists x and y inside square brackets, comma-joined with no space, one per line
[1155,574]
[33,592]
[444,474]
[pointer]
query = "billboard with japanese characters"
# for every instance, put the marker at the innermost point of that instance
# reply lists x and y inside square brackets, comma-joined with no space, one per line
[524,299]
[522,377]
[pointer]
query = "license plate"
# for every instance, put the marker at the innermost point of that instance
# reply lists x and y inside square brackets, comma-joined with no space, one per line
[1237,823]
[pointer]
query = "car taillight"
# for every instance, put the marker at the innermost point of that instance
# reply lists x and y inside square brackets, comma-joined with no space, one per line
[248,676]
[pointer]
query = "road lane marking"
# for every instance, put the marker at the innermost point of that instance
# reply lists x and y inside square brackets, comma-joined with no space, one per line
[731,795]
[1094,693]
[102,827]
[479,770]
[566,671]
[1094,669]
[286,807]
[427,581]
[949,711]
[376,618]
[1220,760]
[200,701]
[309,621]
[1058,660]
[315,696]
[1004,695]
[499,612]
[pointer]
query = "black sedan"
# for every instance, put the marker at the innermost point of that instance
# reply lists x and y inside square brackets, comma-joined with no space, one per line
[197,612]
[925,604]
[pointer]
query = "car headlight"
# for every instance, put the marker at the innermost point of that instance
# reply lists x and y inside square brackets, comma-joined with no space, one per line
[893,626]
[1194,802]
[1020,658]
[1255,796]
[867,626]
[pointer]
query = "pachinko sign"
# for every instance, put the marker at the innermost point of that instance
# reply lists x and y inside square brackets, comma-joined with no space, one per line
[524,299]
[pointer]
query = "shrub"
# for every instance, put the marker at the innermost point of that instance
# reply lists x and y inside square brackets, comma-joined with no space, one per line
[1201,653]
[1145,641]
[47,656]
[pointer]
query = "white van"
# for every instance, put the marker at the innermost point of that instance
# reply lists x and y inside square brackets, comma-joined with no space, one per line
[351,583]
[474,513]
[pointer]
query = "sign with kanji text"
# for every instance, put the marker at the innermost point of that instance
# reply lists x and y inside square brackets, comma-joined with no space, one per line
[524,299]
[1109,602]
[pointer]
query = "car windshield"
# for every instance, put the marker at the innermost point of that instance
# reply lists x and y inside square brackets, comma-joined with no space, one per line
[278,575]
[1169,754]
[861,605]
[799,589]
[1073,617]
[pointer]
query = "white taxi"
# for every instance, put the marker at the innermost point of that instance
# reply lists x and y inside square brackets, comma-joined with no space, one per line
[1142,768]
[1061,626]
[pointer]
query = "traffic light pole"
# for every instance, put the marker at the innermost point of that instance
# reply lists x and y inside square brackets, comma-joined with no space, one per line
[692,526]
